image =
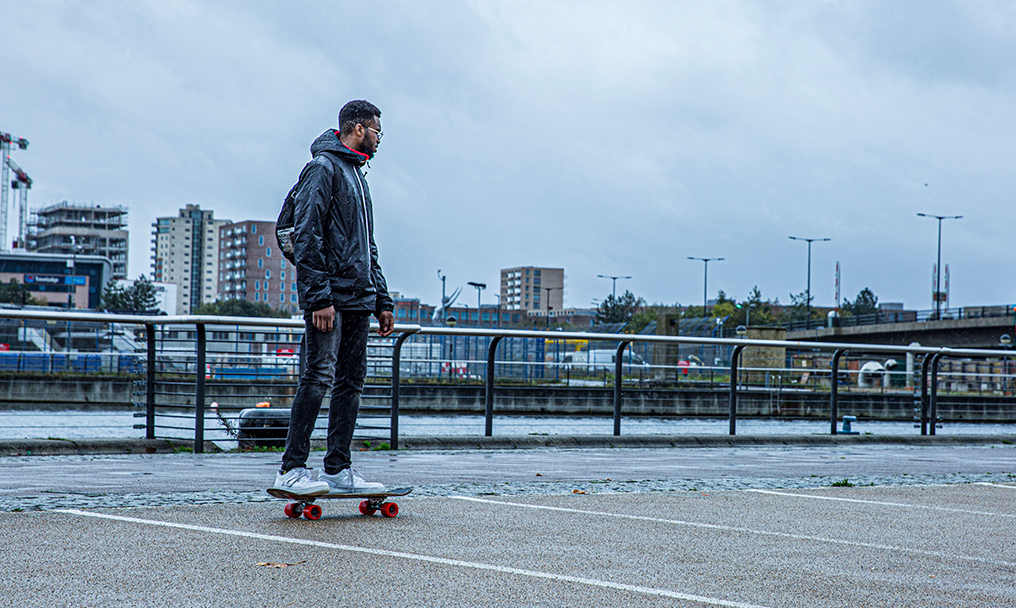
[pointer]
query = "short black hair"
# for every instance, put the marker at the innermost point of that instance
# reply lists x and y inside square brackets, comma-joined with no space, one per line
[356,112]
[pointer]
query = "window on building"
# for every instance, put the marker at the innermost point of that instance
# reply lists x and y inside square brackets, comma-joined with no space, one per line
[283,263]
[261,263]
[257,285]
[294,287]
[282,275]
[253,228]
[268,252]
[282,297]
[292,298]
[261,240]
[257,295]
[268,275]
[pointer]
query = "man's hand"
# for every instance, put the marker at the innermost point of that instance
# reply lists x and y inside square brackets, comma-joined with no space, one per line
[386,322]
[324,319]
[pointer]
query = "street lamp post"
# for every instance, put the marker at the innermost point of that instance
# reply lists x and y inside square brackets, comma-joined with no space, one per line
[479,287]
[807,318]
[705,282]
[938,266]
[549,307]
[614,279]
[497,324]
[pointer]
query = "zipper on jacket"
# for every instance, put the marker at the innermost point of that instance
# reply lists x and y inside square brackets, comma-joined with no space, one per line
[366,233]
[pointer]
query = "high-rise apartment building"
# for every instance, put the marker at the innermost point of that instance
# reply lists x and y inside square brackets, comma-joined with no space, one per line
[185,251]
[532,289]
[252,268]
[82,229]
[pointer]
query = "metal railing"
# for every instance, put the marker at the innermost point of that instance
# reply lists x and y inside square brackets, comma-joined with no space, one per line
[200,373]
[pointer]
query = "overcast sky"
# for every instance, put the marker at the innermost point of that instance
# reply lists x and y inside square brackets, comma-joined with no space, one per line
[601,137]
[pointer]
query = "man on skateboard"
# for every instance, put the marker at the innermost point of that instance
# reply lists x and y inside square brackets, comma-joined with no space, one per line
[340,285]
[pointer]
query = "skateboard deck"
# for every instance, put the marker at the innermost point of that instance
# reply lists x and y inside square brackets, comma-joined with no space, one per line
[372,502]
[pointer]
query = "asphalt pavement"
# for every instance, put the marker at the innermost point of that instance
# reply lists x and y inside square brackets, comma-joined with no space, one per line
[835,525]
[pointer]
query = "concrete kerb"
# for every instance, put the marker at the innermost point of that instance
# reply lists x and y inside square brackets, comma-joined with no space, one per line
[47,447]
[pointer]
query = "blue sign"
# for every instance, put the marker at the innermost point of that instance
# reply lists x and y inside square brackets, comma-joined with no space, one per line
[55,279]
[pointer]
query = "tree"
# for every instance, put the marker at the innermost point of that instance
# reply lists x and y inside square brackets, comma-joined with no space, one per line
[16,293]
[643,317]
[619,310]
[239,308]
[798,309]
[138,298]
[865,304]
[754,311]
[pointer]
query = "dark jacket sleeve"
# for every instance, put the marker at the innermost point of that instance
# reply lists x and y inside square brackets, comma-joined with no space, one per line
[382,300]
[311,244]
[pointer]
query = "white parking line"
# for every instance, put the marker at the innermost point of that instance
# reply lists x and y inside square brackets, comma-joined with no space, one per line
[996,485]
[883,503]
[691,524]
[424,558]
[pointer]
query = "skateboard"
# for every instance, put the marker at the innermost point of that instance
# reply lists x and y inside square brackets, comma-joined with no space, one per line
[372,503]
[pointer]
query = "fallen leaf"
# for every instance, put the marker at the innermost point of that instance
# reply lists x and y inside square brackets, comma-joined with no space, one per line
[704,494]
[579,492]
[279,565]
[539,474]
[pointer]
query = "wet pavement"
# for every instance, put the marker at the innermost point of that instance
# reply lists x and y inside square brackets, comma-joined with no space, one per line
[763,526]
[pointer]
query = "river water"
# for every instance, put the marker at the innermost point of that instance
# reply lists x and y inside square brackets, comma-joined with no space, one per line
[119,425]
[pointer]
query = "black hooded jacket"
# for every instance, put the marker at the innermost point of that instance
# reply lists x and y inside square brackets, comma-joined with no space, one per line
[336,258]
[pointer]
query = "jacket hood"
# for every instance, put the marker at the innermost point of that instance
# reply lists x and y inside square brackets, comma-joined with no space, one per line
[329,142]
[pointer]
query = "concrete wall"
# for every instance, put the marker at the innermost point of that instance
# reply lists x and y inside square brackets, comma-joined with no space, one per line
[116,393]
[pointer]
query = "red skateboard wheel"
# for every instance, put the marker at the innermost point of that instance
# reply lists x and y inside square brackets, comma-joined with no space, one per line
[389,509]
[293,509]
[366,509]
[312,512]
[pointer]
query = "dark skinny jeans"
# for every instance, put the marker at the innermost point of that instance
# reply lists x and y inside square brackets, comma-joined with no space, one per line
[338,360]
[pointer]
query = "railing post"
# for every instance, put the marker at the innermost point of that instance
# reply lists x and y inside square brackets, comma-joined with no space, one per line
[834,391]
[933,400]
[488,414]
[150,383]
[734,356]
[199,393]
[618,381]
[925,370]
[396,374]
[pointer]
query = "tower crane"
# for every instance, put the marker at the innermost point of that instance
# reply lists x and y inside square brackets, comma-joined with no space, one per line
[21,183]
[6,141]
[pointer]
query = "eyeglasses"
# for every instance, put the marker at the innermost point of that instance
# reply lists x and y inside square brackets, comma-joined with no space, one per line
[378,133]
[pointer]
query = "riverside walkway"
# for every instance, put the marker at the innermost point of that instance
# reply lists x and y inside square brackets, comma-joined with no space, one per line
[735,525]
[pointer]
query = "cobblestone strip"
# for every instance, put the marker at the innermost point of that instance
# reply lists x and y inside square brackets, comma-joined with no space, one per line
[46,501]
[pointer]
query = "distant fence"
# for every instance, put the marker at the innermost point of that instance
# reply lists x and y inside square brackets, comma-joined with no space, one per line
[189,369]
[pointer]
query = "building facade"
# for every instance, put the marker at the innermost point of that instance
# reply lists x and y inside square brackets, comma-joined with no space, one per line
[411,310]
[252,268]
[531,288]
[60,281]
[82,229]
[185,251]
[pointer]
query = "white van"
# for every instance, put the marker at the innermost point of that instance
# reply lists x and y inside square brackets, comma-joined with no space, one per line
[599,359]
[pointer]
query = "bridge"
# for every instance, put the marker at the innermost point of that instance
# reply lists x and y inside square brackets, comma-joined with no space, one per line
[964,332]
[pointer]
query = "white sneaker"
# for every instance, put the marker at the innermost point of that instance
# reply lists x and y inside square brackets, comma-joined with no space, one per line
[348,482]
[299,482]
